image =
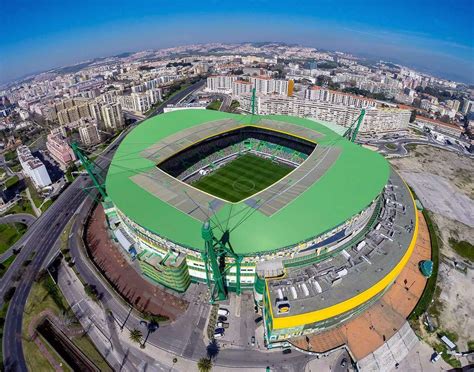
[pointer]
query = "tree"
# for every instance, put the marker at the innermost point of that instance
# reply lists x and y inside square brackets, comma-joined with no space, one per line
[136,335]
[204,365]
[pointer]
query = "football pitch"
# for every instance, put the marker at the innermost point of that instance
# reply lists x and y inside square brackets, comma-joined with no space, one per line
[242,177]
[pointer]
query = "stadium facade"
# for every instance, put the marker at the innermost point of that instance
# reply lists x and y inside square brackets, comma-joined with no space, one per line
[317,245]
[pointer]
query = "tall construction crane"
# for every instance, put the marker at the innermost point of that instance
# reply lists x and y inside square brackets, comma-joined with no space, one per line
[352,131]
[214,257]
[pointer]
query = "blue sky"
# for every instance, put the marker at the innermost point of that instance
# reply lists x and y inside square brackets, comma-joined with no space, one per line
[434,36]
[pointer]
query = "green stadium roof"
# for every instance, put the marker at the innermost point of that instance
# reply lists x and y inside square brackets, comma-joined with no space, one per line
[352,182]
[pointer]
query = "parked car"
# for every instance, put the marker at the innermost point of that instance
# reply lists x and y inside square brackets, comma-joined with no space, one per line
[258,320]
[435,357]
[219,330]
[222,318]
[218,335]
[223,311]
[287,351]
[252,341]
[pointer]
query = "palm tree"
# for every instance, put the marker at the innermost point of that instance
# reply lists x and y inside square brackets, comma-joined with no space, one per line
[136,335]
[204,365]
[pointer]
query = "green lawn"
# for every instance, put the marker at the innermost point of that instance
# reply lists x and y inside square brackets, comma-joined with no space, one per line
[23,206]
[243,177]
[214,105]
[391,146]
[46,295]
[46,205]
[11,181]
[37,199]
[10,233]
[426,300]
[463,248]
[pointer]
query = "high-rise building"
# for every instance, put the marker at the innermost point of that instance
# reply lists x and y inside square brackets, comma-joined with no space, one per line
[33,167]
[466,106]
[220,83]
[240,87]
[113,116]
[89,133]
[267,85]
[456,105]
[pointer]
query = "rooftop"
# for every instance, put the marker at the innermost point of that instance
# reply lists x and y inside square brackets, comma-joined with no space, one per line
[358,268]
[346,185]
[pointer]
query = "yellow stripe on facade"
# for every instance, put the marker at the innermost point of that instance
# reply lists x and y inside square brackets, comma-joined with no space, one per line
[352,303]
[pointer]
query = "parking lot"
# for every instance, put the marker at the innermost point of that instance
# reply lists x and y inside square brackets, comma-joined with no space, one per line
[241,320]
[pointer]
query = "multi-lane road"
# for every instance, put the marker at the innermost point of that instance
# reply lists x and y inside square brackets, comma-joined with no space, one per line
[37,244]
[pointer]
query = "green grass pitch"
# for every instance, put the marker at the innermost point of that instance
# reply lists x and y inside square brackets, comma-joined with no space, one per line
[242,177]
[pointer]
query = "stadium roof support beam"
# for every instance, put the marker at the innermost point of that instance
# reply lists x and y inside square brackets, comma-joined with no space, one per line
[89,166]
[214,259]
[352,131]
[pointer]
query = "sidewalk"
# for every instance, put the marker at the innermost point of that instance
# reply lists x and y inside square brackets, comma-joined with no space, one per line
[35,209]
[121,352]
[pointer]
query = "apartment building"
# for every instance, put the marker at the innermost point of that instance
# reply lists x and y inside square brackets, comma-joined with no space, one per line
[377,121]
[240,87]
[220,83]
[320,94]
[33,167]
[59,149]
[267,85]
[140,101]
[438,126]
[89,133]
[112,116]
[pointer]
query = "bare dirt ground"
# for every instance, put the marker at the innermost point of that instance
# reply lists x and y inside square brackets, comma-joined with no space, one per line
[458,169]
[444,182]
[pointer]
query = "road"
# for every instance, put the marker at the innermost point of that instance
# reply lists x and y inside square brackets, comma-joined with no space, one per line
[178,97]
[37,243]
[400,144]
[183,337]
[24,218]
[180,338]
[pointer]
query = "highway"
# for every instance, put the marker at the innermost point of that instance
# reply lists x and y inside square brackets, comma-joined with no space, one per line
[178,97]
[37,243]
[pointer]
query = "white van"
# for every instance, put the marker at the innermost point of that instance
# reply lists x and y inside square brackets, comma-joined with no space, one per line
[223,311]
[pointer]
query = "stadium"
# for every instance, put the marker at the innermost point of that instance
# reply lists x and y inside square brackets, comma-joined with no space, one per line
[315,225]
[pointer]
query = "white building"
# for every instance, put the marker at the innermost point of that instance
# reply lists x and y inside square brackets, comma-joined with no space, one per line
[140,101]
[267,85]
[240,87]
[319,94]
[220,83]
[33,167]
[377,121]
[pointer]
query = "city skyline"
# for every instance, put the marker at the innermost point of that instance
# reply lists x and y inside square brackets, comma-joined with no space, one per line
[423,38]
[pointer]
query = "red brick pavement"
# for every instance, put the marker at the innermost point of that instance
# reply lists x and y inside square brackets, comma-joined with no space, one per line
[144,295]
